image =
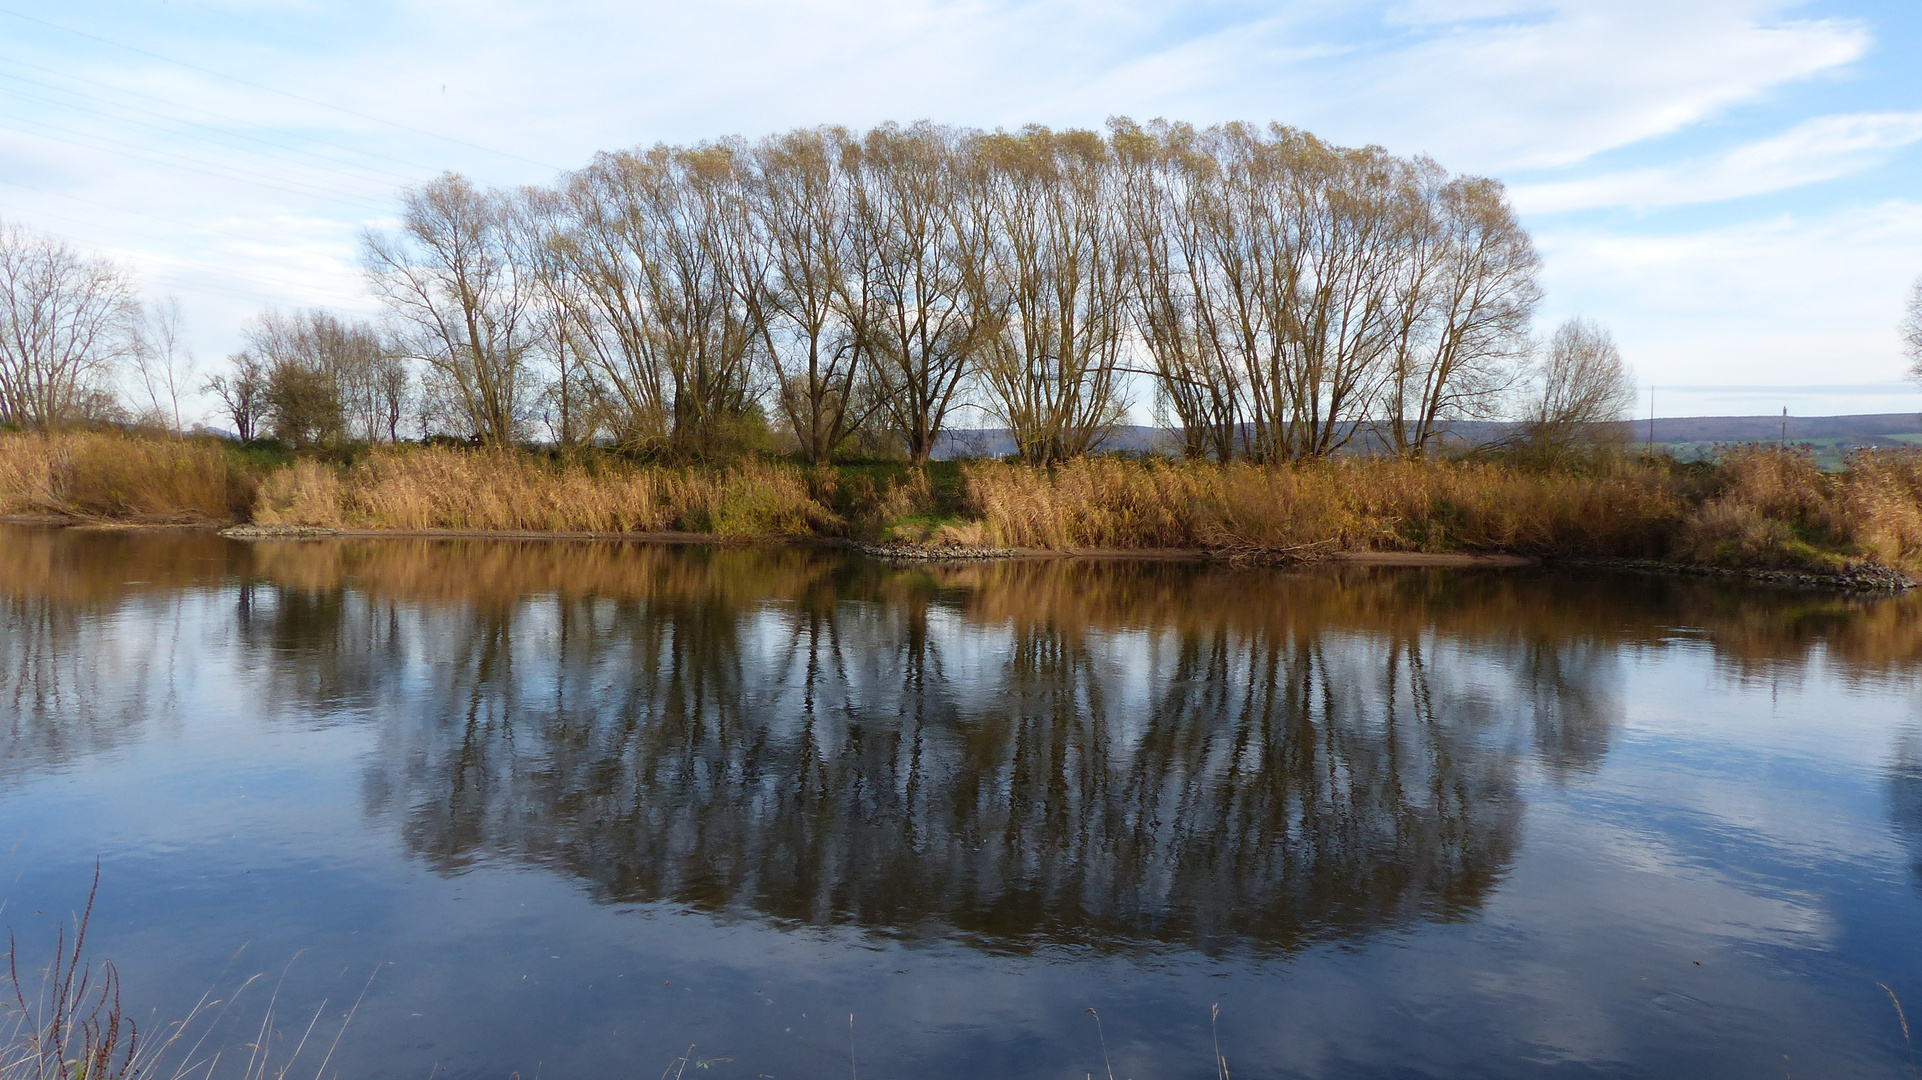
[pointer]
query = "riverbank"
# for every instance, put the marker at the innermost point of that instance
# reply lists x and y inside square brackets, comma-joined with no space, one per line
[1763,512]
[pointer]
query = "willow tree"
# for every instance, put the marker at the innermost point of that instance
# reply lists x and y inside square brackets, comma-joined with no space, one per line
[1056,273]
[1578,387]
[659,309]
[1333,248]
[919,253]
[807,291]
[1465,293]
[1167,195]
[452,277]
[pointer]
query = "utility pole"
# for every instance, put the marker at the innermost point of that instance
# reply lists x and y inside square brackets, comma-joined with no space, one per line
[1785,425]
[1650,449]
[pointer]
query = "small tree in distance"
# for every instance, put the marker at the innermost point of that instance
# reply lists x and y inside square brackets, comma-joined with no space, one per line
[242,394]
[1912,330]
[164,362]
[1580,387]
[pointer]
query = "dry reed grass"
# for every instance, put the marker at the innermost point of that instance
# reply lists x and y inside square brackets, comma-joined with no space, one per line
[1763,507]
[439,488]
[1776,508]
[1339,505]
[107,476]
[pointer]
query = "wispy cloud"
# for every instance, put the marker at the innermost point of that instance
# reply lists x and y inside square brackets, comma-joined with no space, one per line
[237,196]
[1824,148]
[1792,299]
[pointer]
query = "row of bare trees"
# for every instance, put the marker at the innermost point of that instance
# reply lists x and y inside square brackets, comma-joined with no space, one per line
[311,378]
[78,347]
[1279,294]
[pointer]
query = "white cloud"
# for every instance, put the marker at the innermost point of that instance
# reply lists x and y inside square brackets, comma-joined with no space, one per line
[1795,300]
[1486,85]
[1824,148]
[260,203]
[1549,84]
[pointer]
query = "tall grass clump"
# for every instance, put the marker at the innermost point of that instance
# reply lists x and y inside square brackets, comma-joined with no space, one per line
[1343,505]
[1882,508]
[1774,507]
[102,476]
[443,488]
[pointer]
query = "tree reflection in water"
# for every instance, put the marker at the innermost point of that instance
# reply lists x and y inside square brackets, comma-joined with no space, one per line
[922,754]
[1108,755]
[1905,798]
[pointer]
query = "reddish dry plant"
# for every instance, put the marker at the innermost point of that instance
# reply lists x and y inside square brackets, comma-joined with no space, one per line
[74,1027]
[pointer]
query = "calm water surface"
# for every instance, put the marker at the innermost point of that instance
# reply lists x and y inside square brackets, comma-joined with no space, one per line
[582,806]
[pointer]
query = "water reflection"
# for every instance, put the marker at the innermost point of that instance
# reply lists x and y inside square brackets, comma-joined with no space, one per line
[1905,798]
[76,677]
[1010,786]
[1112,756]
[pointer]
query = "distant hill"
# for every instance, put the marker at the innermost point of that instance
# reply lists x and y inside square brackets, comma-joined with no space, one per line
[1685,436]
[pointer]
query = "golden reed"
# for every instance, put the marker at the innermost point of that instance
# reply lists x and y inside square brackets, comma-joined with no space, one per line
[99,476]
[441,488]
[1762,507]
[1344,505]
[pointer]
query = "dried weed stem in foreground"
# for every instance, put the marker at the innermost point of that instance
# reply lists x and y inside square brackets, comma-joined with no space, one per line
[73,1026]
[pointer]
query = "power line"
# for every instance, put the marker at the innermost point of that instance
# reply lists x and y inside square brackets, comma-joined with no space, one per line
[219,172]
[196,227]
[87,105]
[17,62]
[273,90]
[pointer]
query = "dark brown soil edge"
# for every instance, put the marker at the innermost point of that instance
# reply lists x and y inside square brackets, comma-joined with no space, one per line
[322,532]
[181,520]
[1864,578]
[902,552]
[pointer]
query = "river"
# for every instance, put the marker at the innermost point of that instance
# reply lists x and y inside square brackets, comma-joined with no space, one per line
[578,807]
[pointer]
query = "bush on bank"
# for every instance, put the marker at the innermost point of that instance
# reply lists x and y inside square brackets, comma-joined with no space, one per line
[1761,507]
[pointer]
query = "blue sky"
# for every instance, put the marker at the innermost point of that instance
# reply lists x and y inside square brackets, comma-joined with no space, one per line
[1730,185]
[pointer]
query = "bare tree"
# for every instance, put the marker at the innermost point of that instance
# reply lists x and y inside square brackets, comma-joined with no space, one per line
[163,361]
[1331,252]
[1912,330]
[242,394]
[1052,368]
[1579,387]
[807,294]
[325,379]
[392,391]
[452,276]
[1169,204]
[661,317]
[66,321]
[1464,295]
[918,252]
[1283,293]
[565,399]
